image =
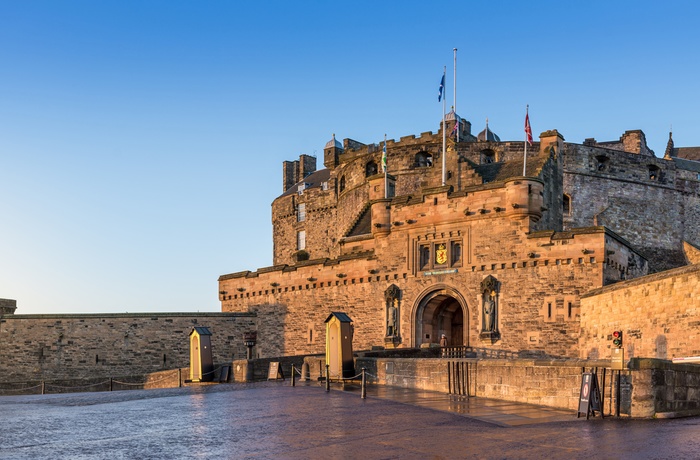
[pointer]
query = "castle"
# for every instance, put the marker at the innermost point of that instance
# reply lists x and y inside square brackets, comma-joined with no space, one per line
[546,256]
[547,252]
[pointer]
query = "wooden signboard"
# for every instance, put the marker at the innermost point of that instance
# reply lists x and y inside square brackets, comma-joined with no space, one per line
[589,398]
[275,371]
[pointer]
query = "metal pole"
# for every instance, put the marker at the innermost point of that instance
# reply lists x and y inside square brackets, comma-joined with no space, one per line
[110,384]
[455,83]
[294,371]
[43,387]
[364,385]
[179,377]
[328,378]
[617,395]
[444,130]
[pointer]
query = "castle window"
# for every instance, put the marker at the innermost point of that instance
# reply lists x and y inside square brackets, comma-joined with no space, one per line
[566,202]
[488,157]
[301,240]
[424,257]
[654,172]
[301,212]
[324,185]
[602,163]
[424,159]
[370,169]
[456,253]
[342,184]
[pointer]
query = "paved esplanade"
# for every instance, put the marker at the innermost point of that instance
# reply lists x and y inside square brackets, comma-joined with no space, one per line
[274,420]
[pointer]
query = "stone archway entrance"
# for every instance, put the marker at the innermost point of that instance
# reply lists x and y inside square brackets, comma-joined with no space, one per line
[441,311]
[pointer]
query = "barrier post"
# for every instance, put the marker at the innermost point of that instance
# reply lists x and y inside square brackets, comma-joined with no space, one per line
[363,392]
[43,387]
[179,377]
[110,384]
[328,378]
[294,371]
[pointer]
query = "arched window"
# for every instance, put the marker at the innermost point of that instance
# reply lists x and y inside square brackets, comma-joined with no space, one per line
[488,157]
[424,159]
[341,187]
[566,205]
[370,169]
[654,172]
[602,163]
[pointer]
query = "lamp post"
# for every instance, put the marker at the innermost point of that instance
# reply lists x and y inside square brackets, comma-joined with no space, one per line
[249,339]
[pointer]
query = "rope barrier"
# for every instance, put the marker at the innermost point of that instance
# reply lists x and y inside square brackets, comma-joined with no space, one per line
[144,383]
[81,386]
[19,389]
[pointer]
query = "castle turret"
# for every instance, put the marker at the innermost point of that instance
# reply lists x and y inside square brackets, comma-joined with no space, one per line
[332,152]
[381,203]
[549,139]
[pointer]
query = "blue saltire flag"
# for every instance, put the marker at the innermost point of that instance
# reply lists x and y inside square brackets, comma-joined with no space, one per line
[442,88]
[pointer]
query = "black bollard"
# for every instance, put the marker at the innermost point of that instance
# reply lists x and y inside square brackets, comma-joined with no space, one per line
[363,392]
[328,378]
[294,371]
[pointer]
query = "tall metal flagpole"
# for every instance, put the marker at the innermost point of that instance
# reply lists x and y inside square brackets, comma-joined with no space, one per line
[444,130]
[385,166]
[527,127]
[455,82]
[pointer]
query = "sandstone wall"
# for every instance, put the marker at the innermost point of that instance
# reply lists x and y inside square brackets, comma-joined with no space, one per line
[614,188]
[36,347]
[659,316]
[292,302]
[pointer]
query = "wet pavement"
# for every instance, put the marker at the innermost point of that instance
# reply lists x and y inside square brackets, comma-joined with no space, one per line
[275,420]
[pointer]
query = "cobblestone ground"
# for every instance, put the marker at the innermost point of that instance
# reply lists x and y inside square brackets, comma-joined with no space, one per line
[274,420]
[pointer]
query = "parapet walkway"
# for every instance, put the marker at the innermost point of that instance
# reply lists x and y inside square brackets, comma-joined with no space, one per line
[495,411]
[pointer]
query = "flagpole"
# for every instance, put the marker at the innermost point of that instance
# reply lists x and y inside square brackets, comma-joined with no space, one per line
[444,131]
[455,82]
[527,108]
[385,165]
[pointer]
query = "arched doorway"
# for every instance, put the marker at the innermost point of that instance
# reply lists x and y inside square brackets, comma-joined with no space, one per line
[442,310]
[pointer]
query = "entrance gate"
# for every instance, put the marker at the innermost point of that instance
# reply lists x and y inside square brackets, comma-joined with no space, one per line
[442,310]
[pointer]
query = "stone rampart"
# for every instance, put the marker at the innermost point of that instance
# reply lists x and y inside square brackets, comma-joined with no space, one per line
[659,316]
[79,346]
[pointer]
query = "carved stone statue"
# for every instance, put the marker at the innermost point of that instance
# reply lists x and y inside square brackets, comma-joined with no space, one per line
[490,312]
[391,298]
[391,318]
[489,319]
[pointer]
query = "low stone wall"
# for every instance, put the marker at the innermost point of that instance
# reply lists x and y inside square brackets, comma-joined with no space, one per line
[99,346]
[649,388]
[664,389]
[247,370]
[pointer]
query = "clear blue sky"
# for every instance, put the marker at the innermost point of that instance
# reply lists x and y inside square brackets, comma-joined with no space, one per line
[141,143]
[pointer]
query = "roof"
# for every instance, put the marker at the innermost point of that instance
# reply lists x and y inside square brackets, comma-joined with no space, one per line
[687,153]
[342,317]
[312,180]
[497,172]
[333,143]
[488,135]
[201,330]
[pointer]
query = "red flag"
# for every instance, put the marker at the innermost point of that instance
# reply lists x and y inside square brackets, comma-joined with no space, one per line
[528,129]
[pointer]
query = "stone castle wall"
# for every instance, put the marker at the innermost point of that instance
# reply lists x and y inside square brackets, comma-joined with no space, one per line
[659,316]
[292,302]
[36,347]
[616,189]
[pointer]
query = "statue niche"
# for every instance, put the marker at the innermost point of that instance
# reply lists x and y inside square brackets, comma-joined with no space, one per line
[392,302]
[489,309]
